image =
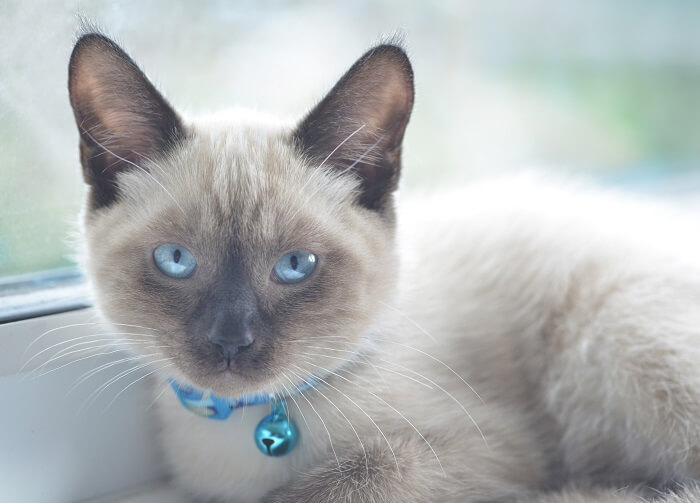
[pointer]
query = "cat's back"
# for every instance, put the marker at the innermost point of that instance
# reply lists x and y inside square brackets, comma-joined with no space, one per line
[512,231]
[499,262]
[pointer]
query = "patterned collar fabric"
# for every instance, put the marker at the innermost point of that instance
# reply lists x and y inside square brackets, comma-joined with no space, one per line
[207,404]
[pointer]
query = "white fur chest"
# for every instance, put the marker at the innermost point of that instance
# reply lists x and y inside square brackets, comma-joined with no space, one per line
[219,459]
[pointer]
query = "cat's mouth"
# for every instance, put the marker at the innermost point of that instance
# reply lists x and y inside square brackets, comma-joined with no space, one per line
[232,374]
[252,368]
[231,381]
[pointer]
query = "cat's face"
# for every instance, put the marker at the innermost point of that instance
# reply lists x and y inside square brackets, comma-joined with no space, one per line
[250,247]
[238,206]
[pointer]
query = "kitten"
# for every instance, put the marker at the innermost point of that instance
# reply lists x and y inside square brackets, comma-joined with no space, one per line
[486,344]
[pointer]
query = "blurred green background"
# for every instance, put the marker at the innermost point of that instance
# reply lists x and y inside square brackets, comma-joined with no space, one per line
[604,88]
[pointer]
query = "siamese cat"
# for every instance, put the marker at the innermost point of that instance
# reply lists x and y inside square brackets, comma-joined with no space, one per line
[318,340]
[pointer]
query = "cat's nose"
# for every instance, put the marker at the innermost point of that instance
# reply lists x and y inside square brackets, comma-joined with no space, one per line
[228,346]
[231,336]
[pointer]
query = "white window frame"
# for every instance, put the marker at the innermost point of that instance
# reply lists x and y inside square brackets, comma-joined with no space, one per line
[41,293]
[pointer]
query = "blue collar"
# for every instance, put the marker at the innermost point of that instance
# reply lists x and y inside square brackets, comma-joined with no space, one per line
[275,435]
[207,404]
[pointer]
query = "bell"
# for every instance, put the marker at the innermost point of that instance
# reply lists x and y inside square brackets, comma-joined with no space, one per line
[276,434]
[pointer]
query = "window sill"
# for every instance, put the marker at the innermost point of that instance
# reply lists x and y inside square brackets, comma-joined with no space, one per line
[160,493]
[62,445]
[39,294]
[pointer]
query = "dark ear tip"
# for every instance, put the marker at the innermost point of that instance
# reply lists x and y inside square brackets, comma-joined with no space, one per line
[92,36]
[92,40]
[393,54]
[85,43]
[392,51]
[91,48]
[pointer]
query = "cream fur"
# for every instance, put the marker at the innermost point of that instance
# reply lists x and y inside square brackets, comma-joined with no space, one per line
[570,311]
[507,340]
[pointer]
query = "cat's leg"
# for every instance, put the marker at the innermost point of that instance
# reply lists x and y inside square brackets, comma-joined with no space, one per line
[622,376]
[479,476]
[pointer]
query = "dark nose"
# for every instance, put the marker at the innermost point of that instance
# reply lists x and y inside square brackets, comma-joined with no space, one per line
[231,334]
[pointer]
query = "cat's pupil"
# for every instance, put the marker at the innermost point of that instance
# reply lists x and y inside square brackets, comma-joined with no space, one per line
[294,262]
[177,255]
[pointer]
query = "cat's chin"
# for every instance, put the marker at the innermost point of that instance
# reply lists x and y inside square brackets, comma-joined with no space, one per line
[233,383]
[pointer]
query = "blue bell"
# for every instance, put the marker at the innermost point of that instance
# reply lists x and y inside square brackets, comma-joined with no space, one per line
[276,434]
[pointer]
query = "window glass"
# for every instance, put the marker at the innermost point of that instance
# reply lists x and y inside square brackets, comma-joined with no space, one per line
[601,87]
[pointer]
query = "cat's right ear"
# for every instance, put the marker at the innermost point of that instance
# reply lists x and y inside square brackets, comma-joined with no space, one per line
[358,127]
[122,119]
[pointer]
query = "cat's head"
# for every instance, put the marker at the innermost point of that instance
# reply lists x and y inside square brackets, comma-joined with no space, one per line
[247,247]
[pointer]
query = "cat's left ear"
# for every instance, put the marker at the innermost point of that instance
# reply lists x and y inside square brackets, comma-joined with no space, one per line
[359,126]
[122,119]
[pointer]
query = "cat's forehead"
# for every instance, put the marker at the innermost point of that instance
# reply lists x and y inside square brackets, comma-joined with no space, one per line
[241,172]
[238,161]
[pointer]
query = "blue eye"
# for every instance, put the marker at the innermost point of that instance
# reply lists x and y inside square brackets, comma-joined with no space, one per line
[295,267]
[174,261]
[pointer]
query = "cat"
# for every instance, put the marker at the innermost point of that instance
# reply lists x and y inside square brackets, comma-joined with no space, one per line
[517,340]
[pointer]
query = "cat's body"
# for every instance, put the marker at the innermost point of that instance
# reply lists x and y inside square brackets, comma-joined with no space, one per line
[504,340]
[547,315]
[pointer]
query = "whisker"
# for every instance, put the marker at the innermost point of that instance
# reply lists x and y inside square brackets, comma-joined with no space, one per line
[98,391]
[471,418]
[72,325]
[245,406]
[79,360]
[318,169]
[330,440]
[435,360]
[125,341]
[365,380]
[165,388]
[143,170]
[342,414]
[346,169]
[452,397]
[345,338]
[313,376]
[410,320]
[391,407]
[87,375]
[156,165]
[291,395]
[75,339]
[362,156]
[334,151]
[313,337]
[134,382]
[95,345]
[374,365]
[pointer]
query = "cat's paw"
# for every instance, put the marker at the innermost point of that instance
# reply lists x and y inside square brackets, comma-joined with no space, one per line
[358,478]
